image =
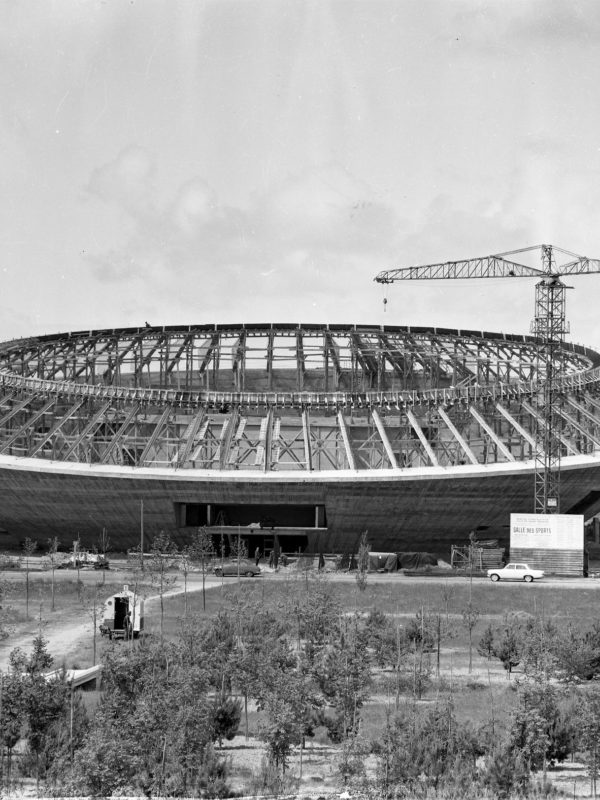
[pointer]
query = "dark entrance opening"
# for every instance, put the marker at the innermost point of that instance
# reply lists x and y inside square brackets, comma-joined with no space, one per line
[585,505]
[256,515]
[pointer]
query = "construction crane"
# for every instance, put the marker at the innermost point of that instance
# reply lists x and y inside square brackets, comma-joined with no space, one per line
[549,326]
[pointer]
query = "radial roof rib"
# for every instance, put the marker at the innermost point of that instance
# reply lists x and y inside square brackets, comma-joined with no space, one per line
[259,456]
[179,352]
[346,439]
[454,431]
[227,438]
[120,355]
[217,454]
[95,420]
[239,360]
[300,360]
[92,354]
[582,410]
[119,435]
[15,409]
[146,359]
[28,423]
[7,398]
[55,428]
[415,351]
[275,448]
[519,428]
[492,434]
[183,453]
[365,359]
[578,427]
[422,438]
[268,460]
[158,429]
[540,421]
[384,438]
[386,349]
[234,451]
[270,360]
[456,363]
[330,349]
[306,437]
[210,348]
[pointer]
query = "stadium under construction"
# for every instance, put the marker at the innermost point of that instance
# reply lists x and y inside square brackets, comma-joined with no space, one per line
[299,435]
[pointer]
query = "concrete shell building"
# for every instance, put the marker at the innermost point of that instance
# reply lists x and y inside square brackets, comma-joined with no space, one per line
[299,435]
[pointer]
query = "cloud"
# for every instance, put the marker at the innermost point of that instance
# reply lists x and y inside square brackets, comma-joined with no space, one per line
[516,29]
[319,217]
[327,209]
[127,181]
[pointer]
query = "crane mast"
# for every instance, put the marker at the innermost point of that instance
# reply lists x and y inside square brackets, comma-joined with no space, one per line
[549,326]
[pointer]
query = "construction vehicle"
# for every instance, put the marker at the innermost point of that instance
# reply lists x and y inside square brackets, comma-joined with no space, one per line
[82,559]
[123,615]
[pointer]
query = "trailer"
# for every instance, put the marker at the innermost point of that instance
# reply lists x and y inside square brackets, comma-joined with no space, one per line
[123,615]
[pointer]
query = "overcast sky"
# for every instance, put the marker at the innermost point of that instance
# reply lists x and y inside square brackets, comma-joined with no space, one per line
[192,161]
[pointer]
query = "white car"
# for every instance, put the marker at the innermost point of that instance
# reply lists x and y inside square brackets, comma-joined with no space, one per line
[515,572]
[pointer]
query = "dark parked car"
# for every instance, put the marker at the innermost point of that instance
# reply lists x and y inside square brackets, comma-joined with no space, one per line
[244,568]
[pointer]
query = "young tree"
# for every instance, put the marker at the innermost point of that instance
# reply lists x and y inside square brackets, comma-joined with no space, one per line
[29,548]
[186,561]
[420,634]
[541,732]
[204,551]
[103,547]
[51,718]
[424,750]
[280,727]
[470,616]
[486,643]
[239,551]
[163,549]
[508,642]
[227,714]
[589,734]
[362,562]
[576,654]
[53,559]
[93,606]
[343,675]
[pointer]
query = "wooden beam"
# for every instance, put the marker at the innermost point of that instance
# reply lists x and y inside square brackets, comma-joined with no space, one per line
[346,440]
[492,434]
[384,438]
[306,436]
[422,438]
[517,426]
[459,438]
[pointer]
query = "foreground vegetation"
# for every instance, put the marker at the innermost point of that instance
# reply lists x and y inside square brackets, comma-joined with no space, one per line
[311,660]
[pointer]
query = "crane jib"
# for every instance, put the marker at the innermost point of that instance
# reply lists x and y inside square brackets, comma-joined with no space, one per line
[493,266]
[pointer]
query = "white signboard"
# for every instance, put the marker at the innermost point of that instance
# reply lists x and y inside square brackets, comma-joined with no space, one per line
[546,531]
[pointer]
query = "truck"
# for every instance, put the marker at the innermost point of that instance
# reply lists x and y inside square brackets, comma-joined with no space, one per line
[123,615]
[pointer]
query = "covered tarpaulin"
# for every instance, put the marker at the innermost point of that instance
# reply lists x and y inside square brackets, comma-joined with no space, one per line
[416,560]
[383,562]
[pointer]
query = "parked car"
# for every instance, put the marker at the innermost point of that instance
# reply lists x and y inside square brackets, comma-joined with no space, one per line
[515,572]
[244,568]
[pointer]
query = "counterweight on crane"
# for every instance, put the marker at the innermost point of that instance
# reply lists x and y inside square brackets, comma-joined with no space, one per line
[549,325]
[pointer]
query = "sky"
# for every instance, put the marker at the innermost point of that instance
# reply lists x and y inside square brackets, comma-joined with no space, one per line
[202,161]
